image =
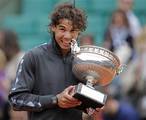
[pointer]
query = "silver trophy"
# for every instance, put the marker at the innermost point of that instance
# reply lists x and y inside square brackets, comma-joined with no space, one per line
[93,65]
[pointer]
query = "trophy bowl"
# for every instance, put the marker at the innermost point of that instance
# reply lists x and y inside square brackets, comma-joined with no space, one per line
[97,63]
[93,65]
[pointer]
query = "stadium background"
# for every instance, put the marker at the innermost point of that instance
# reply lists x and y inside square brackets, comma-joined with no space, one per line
[30,18]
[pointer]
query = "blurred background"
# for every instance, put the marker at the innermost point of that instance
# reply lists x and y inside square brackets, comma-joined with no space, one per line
[118,25]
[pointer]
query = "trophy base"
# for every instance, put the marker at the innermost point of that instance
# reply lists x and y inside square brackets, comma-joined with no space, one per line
[89,96]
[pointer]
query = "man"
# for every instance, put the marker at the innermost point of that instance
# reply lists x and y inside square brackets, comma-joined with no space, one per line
[44,80]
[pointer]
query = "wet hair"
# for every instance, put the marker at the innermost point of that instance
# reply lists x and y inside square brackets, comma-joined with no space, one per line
[69,12]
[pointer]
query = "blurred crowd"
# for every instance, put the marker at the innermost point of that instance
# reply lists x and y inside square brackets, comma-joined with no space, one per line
[10,55]
[125,37]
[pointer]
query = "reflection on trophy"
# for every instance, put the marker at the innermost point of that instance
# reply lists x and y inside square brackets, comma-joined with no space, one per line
[94,66]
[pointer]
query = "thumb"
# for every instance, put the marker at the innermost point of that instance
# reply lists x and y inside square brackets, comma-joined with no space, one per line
[70,89]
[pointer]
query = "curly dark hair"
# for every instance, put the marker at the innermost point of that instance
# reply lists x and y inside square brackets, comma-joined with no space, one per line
[68,11]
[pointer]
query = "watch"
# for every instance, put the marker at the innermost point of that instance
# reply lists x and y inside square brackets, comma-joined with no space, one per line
[54,100]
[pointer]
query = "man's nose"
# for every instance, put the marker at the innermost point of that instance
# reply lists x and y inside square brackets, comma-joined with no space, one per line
[67,35]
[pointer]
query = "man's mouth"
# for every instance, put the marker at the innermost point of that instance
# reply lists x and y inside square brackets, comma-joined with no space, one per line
[66,44]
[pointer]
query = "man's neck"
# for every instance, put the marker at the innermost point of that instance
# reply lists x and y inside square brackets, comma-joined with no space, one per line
[64,52]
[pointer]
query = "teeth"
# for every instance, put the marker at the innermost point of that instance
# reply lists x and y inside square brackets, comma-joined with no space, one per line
[67,43]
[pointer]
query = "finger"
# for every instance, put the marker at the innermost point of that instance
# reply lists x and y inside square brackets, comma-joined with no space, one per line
[69,88]
[71,100]
[68,105]
[90,111]
[68,96]
[99,109]
[68,99]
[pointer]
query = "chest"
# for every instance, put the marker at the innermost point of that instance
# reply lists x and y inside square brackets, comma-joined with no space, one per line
[54,74]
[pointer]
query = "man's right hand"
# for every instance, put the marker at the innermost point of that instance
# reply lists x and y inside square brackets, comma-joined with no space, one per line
[65,99]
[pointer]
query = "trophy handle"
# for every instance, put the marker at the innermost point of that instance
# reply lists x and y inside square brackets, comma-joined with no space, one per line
[74,47]
[121,69]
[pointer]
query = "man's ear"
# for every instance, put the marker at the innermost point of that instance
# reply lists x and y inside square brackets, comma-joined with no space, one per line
[53,28]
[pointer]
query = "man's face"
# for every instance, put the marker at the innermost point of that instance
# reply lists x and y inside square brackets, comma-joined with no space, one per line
[64,33]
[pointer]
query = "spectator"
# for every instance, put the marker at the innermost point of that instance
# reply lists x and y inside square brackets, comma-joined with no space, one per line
[3,86]
[12,51]
[118,37]
[9,44]
[116,110]
[133,79]
[135,26]
[86,40]
[139,86]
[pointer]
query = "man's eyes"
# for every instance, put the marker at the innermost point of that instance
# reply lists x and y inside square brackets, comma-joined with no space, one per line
[61,29]
[72,31]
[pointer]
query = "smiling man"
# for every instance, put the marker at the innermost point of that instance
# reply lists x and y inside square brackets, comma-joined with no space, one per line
[44,78]
[64,33]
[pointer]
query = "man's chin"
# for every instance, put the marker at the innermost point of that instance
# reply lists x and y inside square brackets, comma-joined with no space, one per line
[65,47]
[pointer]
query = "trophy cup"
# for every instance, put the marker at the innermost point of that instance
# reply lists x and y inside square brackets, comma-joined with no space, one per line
[94,66]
